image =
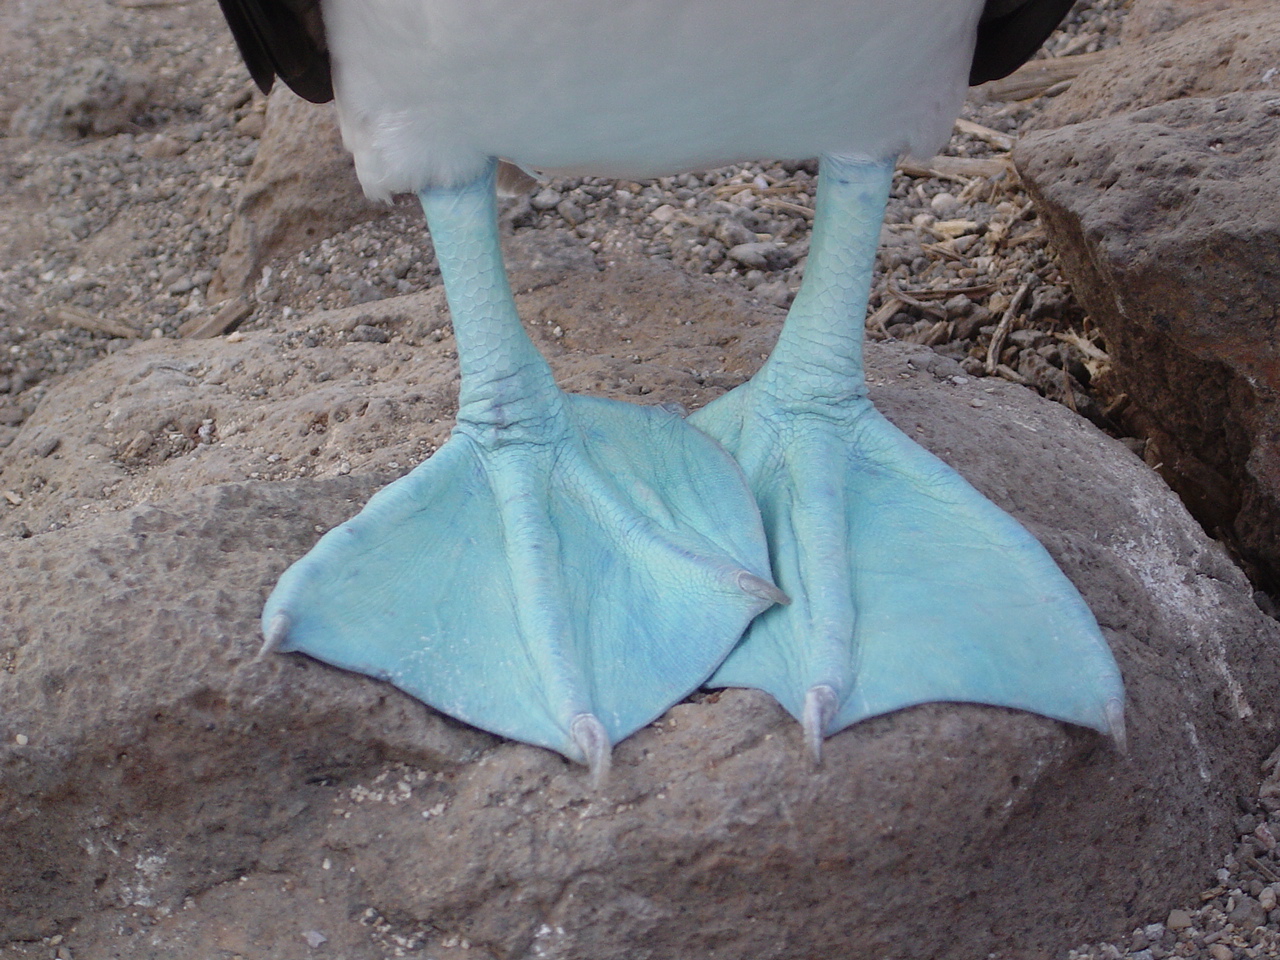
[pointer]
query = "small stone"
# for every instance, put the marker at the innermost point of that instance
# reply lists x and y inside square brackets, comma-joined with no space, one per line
[161,147]
[1248,914]
[761,255]
[367,333]
[138,446]
[545,199]
[663,214]
[570,212]
[775,292]
[1267,899]
[1178,920]
[1265,836]
[314,938]
[944,204]
[1220,951]
[21,740]
[733,234]
[251,124]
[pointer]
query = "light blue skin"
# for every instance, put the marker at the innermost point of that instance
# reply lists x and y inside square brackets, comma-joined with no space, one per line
[562,570]
[565,569]
[908,586]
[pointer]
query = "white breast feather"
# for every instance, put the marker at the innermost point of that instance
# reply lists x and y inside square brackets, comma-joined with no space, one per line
[428,89]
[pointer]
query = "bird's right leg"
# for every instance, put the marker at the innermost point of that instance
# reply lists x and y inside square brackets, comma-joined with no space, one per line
[563,570]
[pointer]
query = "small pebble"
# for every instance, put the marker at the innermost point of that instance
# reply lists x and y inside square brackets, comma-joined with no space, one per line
[570,212]
[663,214]
[545,199]
[161,147]
[1264,834]
[1220,951]
[1248,914]
[367,333]
[761,255]
[314,938]
[944,205]
[1178,920]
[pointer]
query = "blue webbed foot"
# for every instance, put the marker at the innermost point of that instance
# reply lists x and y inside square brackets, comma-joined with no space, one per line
[908,586]
[562,570]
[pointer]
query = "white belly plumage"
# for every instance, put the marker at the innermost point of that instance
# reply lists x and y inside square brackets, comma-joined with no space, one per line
[427,90]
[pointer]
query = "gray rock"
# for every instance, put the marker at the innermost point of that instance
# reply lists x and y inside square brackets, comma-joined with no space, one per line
[733,234]
[166,773]
[1248,914]
[367,333]
[545,199]
[302,188]
[1209,53]
[1148,17]
[91,98]
[762,255]
[1166,223]
[570,212]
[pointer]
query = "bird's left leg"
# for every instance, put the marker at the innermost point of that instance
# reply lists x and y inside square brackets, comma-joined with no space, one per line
[907,584]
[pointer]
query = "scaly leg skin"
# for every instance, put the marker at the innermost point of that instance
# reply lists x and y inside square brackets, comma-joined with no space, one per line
[562,570]
[908,586]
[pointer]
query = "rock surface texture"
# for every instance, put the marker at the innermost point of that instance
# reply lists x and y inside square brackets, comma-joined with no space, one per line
[164,792]
[287,205]
[1168,225]
[1174,50]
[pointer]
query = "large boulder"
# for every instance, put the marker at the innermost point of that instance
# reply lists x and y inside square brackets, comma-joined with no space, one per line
[1208,52]
[163,792]
[1167,222]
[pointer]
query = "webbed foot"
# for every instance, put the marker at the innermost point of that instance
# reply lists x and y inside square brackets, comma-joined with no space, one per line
[562,570]
[525,587]
[907,584]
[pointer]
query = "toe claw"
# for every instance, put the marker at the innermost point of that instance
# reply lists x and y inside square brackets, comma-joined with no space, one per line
[819,708]
[1115,725]
[759,587]
[274,634]
[588,734]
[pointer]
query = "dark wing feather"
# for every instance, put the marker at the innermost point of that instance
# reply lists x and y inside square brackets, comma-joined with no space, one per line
[1010,32]
[285,39]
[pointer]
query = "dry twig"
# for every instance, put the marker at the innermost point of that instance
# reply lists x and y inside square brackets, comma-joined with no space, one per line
[1002,331]
[1039,77]
[229,316]
[71,316]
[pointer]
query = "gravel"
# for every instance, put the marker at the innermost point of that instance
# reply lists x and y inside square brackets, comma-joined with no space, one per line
[1237,915]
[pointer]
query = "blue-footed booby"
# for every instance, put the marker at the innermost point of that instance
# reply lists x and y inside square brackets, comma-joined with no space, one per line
[565,568]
